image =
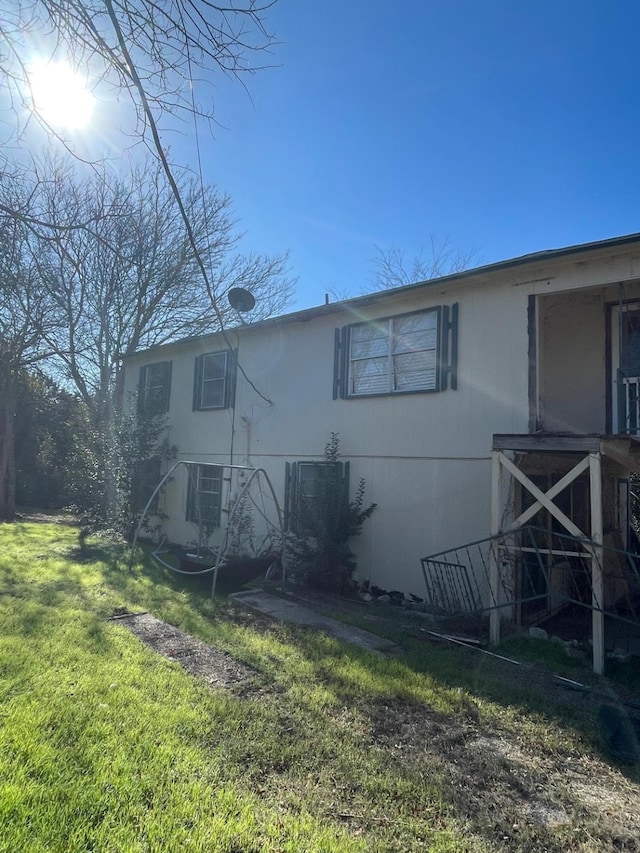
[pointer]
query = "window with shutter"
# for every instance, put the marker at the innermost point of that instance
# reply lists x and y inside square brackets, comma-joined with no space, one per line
[204,495]
[309,486]
[154,388]
[214,380]
[395,355]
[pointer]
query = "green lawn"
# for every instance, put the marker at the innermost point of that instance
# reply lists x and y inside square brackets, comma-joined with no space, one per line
[106,746]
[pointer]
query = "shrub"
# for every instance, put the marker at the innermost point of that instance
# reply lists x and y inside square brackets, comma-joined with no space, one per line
[321,530]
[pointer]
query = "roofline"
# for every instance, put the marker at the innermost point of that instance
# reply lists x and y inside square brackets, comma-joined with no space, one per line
[533,257]
[307,314]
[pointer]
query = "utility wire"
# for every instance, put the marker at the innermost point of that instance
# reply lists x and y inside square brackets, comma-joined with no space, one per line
[135,77]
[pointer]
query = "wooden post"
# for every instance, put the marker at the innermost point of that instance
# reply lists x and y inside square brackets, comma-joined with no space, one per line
[597,560]
[494,577]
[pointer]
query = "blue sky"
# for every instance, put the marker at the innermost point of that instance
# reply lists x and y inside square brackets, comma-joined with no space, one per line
[502,126]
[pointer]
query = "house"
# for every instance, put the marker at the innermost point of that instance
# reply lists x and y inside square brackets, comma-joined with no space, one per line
[499,396]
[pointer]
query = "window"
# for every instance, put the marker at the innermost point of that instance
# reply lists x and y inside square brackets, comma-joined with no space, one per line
[146,476]
[204,494]
[154,388]
[309,486]
[214,380]
[395,355]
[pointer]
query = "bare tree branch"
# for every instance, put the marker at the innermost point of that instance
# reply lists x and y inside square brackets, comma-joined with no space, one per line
[134,279]
[391,268]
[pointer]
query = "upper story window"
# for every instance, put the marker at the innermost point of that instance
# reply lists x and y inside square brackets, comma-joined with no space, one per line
[154,388]
[214,380]
[395,355]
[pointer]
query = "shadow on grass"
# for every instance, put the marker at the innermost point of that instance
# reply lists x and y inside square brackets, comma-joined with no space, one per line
[98,577]
[467,677]
[465,673]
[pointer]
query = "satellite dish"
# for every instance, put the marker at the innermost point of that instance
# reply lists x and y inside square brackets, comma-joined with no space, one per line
[241,300]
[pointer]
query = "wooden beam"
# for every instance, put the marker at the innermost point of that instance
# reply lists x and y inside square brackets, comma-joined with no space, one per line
[548,442]
[558,487]
[494,577]
[532,335]
[597,559]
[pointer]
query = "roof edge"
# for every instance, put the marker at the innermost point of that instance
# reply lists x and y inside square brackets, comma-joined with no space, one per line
[307,314]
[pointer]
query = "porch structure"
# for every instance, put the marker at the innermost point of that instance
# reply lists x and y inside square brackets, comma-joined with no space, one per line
[600,464]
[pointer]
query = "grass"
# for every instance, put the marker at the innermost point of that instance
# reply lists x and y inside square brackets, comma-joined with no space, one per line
[106,746]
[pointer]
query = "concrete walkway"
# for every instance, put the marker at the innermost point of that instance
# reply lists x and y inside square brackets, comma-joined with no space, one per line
[287,610]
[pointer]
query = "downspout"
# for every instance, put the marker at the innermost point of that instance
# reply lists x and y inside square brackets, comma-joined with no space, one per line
[233,432]
[247,453]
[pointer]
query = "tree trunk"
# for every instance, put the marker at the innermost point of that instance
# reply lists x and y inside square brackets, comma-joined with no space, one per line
[7,445]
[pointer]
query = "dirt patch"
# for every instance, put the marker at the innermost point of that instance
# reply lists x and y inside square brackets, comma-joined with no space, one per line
[216,667]
[502,785]
[43,517]
[521,795]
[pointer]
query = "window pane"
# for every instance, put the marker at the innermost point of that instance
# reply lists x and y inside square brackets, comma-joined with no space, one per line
[369,340]
[308,479]
[215,366]
[398,354]
[212,394]
[416,332]
[155,375]
[205,495]
[370,376]
[316,483]
[209,507]
[210,483]
[154,391]
[416,371]
[213,382]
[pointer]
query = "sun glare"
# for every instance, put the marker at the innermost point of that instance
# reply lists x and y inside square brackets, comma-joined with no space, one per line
[59,95]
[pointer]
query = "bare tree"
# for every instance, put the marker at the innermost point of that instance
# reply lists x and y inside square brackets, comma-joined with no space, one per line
[391,267]
[158,54]
[80,299]
[128,266]
[132,279]
[27,318]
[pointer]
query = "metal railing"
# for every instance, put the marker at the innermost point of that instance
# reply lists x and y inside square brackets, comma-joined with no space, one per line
[540,573]
[628,403]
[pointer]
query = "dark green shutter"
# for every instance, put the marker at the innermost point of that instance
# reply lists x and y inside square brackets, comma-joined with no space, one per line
[290,495]
[341,363]
[141,384]
[336,363]
[192,493]
[448,355]
[454,348]
[443,335]
[342,477]
[166,388]
[197,383]
[230,379]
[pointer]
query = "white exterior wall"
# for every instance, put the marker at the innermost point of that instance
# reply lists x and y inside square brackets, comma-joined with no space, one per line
[425,456]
